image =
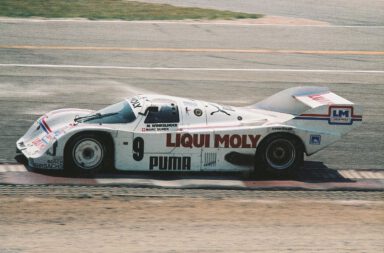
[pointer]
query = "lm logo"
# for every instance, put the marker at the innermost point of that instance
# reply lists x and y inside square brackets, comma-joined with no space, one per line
[340,115]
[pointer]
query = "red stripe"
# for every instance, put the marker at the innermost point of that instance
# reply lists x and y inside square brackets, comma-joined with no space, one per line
[203,127]
[46,125]
[314,115]
[326,115]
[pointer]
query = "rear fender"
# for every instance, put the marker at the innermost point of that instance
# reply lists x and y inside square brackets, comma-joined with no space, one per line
[337,119]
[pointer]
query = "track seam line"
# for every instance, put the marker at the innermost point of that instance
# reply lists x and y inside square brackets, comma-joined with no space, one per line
[189,68]
[150,22]
[200,50]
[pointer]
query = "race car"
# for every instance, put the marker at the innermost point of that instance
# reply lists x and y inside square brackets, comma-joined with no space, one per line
[166,133]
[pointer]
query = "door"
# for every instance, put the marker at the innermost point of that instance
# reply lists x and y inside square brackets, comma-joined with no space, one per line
[159,145]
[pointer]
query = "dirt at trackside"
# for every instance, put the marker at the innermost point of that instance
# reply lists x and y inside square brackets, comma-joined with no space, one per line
[265,20]
[167,224]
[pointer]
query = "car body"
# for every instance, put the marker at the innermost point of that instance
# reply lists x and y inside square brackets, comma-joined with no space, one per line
[165,133]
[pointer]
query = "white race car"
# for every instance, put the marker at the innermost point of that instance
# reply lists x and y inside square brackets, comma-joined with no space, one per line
[165,133]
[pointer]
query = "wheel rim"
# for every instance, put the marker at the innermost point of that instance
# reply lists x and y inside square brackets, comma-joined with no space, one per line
[88,154]
[280,154]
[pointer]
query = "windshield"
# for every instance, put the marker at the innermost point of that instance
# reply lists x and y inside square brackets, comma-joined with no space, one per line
[113,114]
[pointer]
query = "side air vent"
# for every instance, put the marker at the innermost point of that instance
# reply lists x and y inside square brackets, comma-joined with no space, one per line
[210,159]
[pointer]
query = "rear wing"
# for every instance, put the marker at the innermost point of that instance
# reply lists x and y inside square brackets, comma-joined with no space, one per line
[287,101]
[323,98]
[315,108]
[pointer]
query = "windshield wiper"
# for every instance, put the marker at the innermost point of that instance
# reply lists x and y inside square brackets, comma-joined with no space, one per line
[94,116]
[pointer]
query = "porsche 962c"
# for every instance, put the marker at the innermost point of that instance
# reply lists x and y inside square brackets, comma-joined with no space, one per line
[165,133]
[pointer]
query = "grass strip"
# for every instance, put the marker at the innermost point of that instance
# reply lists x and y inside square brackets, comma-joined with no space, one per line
[111,9]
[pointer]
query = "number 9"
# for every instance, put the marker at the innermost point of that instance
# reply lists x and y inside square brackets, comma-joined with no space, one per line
[138,148]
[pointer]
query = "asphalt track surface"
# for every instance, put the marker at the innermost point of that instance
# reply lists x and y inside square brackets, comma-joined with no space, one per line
[46,65]
[107,192]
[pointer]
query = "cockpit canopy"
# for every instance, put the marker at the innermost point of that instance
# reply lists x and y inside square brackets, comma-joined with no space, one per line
[162,113]
[157,110]
[117,113]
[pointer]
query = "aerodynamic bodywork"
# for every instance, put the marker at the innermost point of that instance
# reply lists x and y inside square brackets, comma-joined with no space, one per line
[165,133]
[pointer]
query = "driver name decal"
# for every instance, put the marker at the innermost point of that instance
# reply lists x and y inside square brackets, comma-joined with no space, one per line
[218,141]
[159,127]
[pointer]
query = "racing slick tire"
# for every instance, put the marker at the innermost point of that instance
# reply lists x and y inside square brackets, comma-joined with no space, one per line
[279,155]
[86,154]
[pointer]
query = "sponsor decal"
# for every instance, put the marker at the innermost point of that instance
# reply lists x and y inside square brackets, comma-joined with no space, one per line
[38,143]
[198,112]
[56,163]
[48,138]
[340,115]
[236,141]
[321,99]
[169,163]
[219,141]
[337,115]
[135,103]
[222,110]
[188,140]
[57,133]
[315,139]
[281,128]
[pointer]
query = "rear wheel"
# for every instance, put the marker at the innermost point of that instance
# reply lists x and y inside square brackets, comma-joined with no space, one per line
[279,155]
[86,154]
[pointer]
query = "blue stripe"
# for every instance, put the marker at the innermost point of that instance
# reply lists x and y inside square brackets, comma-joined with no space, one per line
[311,118]
[329,120]
[42,126]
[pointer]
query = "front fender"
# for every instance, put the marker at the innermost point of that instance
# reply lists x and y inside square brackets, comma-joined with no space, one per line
[46,151]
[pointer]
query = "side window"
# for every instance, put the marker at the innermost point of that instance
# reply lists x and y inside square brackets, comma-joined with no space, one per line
[165,114]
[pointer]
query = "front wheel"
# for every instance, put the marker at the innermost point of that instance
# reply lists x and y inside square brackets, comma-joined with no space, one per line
[86,154]
[279,155]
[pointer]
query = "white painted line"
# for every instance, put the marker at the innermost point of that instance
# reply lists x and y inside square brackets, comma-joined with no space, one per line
[59,66]
[171,183]
[365,174]
[348,174]
[12,168]
[379,175]
[373,175]
[356,174]
[195,50]
[345,174]
[179,22]
[362,174]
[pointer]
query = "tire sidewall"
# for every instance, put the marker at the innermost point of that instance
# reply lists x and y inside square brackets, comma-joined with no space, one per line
[261,161]
[69,160]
